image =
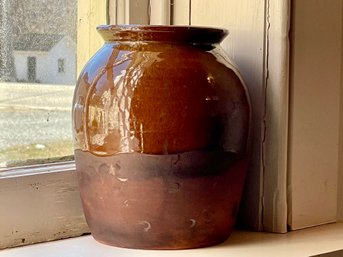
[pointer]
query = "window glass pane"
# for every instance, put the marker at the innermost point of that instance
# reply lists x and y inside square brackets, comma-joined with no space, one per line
[37,79]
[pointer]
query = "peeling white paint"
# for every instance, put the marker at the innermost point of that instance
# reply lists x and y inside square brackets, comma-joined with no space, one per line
[56,203]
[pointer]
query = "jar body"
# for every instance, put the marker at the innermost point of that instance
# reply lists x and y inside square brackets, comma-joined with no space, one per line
[160,132]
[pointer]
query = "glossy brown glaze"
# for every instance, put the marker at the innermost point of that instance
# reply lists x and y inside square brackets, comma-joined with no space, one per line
[150,95]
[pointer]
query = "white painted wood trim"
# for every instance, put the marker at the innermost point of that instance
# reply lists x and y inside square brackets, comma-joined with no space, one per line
[40,203]
[160,12]
[181,12]
[144,12]
[112,12]
[90,14]
[139,12]
[276,93]
[315,116]
[122,14]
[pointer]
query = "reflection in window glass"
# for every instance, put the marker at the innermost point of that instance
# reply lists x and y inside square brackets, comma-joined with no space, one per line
[37,78]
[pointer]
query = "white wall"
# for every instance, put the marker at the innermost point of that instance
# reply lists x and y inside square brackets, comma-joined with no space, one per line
[20,62]
[64,49]
[47,64]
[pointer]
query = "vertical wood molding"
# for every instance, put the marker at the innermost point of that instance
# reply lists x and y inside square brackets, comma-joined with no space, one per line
[90,14]
[119,11]
[112,12]
[314,112]
[276,91]
[139,12]
[133,11]
[160,11]
[181,12]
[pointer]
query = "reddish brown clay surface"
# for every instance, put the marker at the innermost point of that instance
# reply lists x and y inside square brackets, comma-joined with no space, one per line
[160,124]
[172,201]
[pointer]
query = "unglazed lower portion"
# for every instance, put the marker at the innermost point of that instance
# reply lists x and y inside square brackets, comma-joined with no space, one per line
[172,201]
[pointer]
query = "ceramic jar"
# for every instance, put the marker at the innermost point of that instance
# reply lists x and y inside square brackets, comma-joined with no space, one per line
[160,121]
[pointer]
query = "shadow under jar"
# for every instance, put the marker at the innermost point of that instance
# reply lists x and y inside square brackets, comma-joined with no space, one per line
[160,121]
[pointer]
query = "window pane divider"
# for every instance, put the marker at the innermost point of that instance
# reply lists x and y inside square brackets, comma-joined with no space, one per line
[31,170]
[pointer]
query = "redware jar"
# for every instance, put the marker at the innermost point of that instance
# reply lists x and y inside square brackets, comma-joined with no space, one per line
[160,121]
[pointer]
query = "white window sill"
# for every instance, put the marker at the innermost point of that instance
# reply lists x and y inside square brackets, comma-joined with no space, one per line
[307,242]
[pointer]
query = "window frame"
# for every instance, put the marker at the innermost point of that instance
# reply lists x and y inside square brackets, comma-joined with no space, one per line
[40,203]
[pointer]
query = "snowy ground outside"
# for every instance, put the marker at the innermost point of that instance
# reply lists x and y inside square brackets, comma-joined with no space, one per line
[35,121]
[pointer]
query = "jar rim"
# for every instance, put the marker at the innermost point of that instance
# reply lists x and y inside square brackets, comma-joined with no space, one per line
[170,33]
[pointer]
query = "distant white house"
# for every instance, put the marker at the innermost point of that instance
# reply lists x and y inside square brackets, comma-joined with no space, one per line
[43,58]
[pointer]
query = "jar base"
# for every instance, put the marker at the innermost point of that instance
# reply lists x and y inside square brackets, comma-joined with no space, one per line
[176,201]
[192,244]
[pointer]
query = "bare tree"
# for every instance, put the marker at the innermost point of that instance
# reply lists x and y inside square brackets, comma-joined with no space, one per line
[44,17]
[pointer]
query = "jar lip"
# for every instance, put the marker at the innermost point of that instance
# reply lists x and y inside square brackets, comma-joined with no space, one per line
[171,33]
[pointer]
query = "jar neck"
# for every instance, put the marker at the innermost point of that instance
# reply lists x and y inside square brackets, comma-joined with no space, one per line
[176,34]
